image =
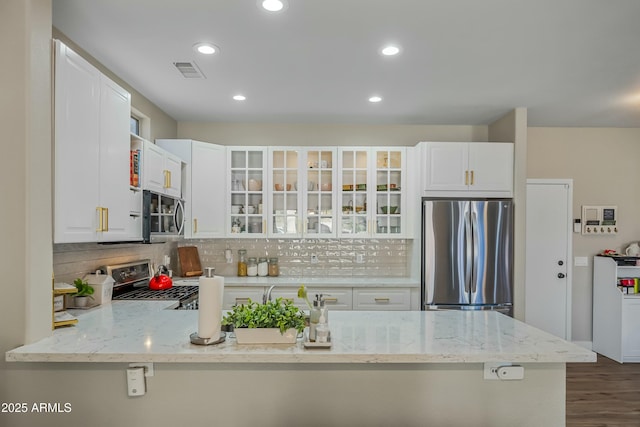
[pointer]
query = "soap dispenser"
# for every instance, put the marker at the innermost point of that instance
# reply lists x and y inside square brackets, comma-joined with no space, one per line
[322,329]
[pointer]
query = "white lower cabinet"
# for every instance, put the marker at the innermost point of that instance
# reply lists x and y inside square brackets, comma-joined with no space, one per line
[630,329]
[236,295]
[381,299]
[616,316]
[335,298]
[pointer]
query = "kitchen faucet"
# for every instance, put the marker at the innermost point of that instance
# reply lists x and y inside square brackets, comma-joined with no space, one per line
[267,295]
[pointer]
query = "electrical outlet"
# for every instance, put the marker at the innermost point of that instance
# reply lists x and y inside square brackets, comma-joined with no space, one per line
[314,259]
[148,367]
[359,258]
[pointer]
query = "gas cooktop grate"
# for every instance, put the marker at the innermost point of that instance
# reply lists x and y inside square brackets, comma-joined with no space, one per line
[179,293]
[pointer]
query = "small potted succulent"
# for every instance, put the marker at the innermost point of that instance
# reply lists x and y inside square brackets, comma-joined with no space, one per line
[274,322]
[83,293]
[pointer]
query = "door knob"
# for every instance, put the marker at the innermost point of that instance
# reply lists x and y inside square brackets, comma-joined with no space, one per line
[560,262]
[560,275]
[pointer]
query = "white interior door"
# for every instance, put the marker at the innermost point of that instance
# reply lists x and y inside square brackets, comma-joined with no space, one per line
[548,255]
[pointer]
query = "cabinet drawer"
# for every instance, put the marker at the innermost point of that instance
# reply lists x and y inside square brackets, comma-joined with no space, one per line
[335,298]
[382,299]
[241,295]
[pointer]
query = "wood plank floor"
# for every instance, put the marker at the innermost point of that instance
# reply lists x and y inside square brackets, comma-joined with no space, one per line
[605,393]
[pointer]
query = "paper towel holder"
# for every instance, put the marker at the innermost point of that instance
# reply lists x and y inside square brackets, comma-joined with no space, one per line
[195,339]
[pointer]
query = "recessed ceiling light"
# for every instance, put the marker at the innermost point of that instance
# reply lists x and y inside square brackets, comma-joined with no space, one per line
[390,50]
[375,98]
[206,48]
[239,97]
[273,5]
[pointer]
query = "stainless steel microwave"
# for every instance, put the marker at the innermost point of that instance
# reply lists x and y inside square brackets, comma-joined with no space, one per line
[161,216]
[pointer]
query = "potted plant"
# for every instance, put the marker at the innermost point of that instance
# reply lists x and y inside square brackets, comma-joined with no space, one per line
[274,322]
[83,293]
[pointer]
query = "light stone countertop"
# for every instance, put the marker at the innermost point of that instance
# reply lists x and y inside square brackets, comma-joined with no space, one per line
[309,282]
[147,331]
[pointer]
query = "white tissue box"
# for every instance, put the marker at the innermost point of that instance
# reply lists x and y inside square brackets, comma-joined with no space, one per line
[103,287]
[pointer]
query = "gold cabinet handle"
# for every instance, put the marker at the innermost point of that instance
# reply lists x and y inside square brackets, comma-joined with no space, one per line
[466,177]
[169,173]
[330,300]
[99,210]
[106,219]
[381,300]
[166,178]
[195,225]
[471,177]
[243,300]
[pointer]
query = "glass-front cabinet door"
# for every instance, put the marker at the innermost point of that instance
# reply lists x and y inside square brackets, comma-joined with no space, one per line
[247,184]
[286,190]
[389,191]
[372,192]
[320,217]
[353,199]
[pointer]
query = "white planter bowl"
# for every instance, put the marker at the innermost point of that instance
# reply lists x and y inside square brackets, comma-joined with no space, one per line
[265,336]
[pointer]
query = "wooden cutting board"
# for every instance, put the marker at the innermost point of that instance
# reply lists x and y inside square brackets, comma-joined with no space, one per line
[189,261]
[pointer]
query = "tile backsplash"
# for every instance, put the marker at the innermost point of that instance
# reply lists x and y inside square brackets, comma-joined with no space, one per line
[336,257]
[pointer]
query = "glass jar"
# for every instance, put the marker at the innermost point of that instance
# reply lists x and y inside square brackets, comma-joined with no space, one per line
[242,262]
[274,269]
[252,267]
[263,267]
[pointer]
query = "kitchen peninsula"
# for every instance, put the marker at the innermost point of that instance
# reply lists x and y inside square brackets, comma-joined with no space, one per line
[384,368]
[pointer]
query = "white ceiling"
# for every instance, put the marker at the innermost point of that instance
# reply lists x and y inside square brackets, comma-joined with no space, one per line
[463,62]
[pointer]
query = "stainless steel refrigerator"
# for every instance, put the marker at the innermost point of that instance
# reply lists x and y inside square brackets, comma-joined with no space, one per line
[467,254]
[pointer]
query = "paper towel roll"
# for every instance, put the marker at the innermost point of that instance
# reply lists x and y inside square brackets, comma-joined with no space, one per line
[210,293]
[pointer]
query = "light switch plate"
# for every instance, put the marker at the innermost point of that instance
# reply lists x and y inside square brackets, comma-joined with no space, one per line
[581,261]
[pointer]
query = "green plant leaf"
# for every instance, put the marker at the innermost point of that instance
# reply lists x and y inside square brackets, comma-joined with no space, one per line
[281,314]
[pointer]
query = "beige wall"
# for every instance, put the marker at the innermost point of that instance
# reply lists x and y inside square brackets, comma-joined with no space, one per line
[604,165]
[513,128]
[25,112]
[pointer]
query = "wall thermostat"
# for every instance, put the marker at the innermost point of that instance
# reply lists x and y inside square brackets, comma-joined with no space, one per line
[599,220]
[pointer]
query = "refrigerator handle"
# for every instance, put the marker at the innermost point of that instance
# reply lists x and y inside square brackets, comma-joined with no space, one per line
[474,227]
[468,252]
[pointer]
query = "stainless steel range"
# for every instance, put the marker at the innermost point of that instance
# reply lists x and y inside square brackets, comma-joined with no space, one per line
[132,283]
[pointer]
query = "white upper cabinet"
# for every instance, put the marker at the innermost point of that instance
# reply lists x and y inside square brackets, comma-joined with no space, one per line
[204,188]
[319,215]
[372,194]
[467,169]
[161,171]
[247,188]
[91,152]
[285,194]
[301,196]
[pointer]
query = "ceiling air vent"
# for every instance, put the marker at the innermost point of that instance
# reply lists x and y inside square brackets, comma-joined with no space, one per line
[189,70]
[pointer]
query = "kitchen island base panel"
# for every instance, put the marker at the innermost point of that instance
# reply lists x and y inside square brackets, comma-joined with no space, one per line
[289,395]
